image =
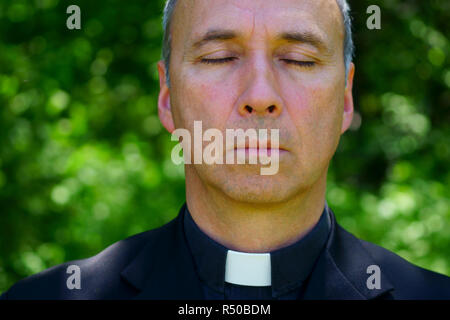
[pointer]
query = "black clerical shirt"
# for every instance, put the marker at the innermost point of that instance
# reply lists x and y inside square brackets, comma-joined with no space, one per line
[290,266]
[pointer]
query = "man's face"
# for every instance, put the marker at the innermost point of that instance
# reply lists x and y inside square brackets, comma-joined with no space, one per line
[262,64]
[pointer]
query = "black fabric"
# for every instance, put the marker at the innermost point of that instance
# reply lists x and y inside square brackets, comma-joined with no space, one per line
[290,265]
[157,264]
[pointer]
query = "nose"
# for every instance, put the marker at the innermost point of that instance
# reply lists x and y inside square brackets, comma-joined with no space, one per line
[261,94]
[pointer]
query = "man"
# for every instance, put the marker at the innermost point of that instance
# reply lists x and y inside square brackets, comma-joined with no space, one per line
[282,65]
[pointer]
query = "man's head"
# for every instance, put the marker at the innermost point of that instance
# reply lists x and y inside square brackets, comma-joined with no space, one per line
[262,64]
[169,8]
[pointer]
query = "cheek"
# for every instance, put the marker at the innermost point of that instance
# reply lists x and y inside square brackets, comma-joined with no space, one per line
[315,113]
[209,102]
[317,106]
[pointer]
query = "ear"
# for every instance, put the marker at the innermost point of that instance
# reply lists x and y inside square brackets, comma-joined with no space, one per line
[164,107]
[348,100]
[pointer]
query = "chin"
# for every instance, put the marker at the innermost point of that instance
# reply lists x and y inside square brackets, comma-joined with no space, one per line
[257,197]
[256,189]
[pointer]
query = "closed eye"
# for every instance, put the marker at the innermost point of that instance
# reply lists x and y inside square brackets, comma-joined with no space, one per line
[217,61]
[306,64]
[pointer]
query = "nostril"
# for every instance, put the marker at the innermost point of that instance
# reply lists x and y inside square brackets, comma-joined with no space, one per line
[271,108]
[249,109]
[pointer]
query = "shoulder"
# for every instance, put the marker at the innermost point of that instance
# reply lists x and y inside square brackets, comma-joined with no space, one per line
[410,281]
[99,273]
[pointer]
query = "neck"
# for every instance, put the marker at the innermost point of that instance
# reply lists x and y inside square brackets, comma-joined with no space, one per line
[250,227]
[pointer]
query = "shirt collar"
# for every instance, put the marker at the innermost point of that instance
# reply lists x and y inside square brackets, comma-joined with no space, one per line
[290,266]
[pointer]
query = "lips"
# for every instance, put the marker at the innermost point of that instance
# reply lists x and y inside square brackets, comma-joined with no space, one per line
[263,149]
[258,145]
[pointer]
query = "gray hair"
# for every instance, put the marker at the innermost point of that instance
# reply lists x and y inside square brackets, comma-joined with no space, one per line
[343,6]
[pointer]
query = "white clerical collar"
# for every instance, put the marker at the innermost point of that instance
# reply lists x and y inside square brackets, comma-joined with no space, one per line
[248,269]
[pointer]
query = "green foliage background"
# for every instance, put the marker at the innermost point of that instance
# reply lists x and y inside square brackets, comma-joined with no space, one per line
[84,161]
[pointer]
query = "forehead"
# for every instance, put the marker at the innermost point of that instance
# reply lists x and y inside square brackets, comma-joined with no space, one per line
[192,18]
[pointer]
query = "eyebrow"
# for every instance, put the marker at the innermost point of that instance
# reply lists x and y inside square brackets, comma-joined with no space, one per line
[215,35]
[307,37]
[300,37]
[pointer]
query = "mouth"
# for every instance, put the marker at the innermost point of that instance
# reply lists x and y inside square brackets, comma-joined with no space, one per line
[259,145]
[260,148]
